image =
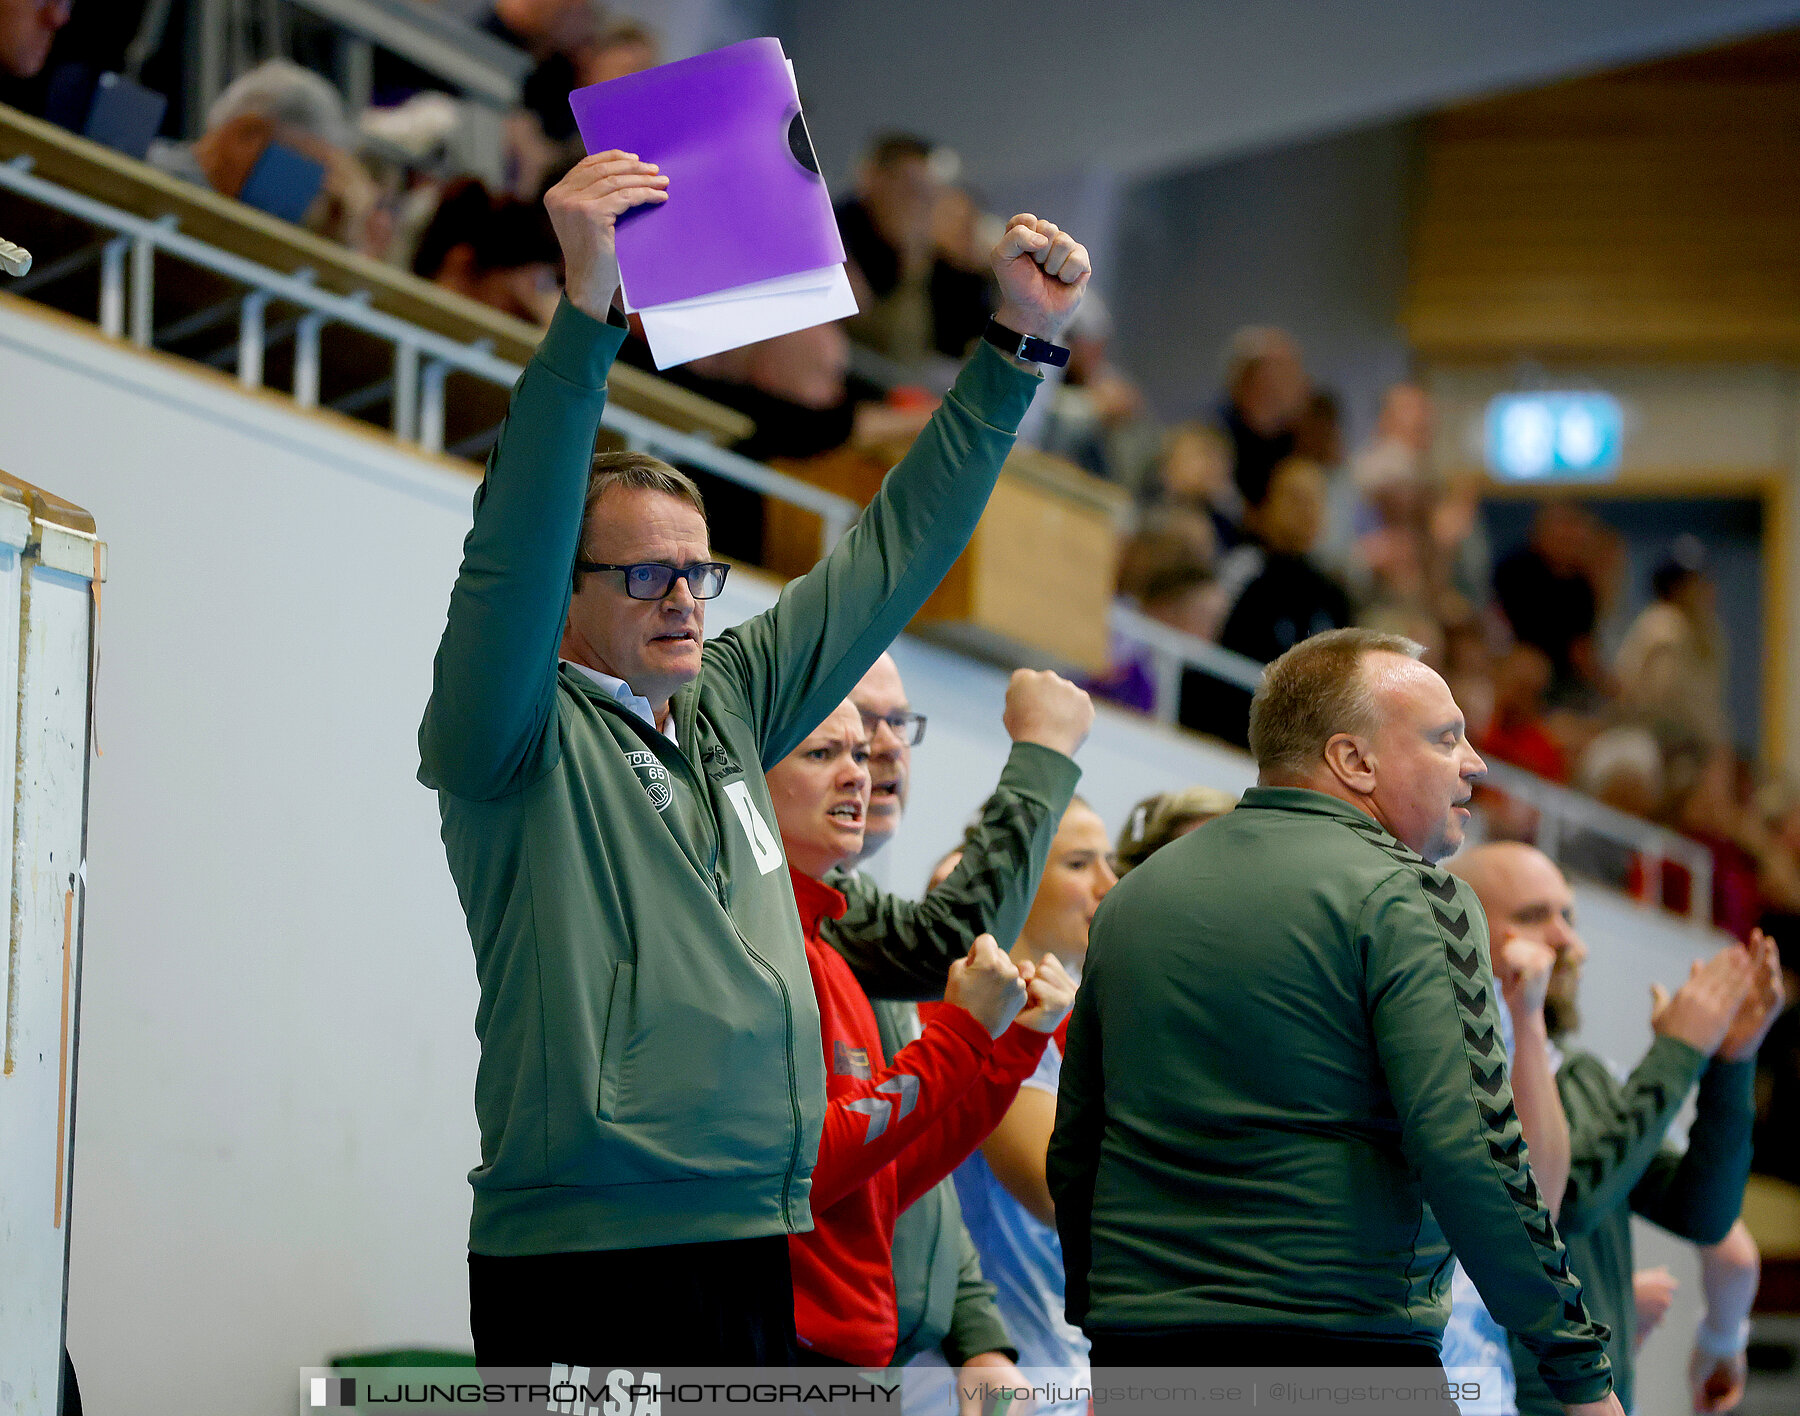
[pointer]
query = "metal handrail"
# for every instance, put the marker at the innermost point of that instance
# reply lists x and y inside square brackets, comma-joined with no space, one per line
[1172,652]
[422,357]
[482,66]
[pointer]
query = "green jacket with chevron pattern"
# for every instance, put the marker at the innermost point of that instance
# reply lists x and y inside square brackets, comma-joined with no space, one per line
[1620,1166]
[1285,1097]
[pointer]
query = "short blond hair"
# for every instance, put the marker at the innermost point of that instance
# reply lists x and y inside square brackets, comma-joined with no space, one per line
[636,471]
[1313,692]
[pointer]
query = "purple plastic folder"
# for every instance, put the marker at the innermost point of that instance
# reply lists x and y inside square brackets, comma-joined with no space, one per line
[744,201]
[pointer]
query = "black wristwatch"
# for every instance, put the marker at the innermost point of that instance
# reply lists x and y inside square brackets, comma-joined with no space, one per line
[1024,346]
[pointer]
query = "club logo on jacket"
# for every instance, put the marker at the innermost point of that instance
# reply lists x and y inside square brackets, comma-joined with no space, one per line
[848,1061]
[718,764]
[654,776]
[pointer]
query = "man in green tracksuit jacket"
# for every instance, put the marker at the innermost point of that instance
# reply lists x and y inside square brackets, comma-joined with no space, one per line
[651,1085]
[1619,1164]
[1285,1085]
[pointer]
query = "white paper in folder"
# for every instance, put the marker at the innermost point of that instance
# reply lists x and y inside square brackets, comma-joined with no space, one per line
[711,324]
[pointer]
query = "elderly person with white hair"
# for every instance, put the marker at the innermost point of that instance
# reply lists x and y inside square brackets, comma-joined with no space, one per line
[280,104]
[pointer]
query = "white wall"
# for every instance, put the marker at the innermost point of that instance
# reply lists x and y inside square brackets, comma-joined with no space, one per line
[274,1115]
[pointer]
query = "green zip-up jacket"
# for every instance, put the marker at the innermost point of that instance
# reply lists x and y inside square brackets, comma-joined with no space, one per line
[651,1071]
[1284,1074]
[1619,1166]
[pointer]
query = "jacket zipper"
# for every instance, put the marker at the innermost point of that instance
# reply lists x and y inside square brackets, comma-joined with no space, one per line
[787,1020]
[787,1002]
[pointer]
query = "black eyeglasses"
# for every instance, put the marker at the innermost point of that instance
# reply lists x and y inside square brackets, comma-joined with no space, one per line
[652,580]
[908,727]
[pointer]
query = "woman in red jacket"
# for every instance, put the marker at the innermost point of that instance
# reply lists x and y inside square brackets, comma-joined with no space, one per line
[891,1133]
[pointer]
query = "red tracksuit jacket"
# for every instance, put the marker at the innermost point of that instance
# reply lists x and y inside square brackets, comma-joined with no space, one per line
[891,1133]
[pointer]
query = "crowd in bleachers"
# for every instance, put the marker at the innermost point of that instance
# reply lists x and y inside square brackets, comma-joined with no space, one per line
[1253,525]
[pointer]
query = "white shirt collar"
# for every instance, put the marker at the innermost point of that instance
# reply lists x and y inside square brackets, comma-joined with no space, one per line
[624,697]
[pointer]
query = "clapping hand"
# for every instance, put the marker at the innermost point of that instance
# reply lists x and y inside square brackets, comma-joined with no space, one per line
[1761,1005]
[1704,1008]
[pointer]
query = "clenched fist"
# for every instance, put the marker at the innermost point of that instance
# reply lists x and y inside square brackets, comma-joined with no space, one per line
[1051,992]
[585,208]
[1047,709]
[1522,968]
[987,984]
[1043,272]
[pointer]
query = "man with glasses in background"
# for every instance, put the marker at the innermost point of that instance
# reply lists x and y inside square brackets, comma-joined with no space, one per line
[900,951]
[651,1086]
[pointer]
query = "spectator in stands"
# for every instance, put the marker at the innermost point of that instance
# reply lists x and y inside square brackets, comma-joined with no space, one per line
[624,47]
[1266,393]
[1096,418]
[1711,805]
[1168,816]
[1516,732]
[1671,666]
[555,33]
[888,945]
[1005,1197]
[27,30]
[1274,596]
[877,1155]
[1193,474]
[800,393]
[499,252]
[915,304]
[1165,572]
[278,104]
[1621,767]
[1547,590]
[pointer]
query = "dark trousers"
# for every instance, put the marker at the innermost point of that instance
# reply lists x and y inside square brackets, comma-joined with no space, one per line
[1284,1349]
[727,1304]
[1255,1347]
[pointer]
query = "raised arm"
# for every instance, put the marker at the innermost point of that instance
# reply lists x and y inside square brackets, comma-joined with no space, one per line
[494,681]
[1435,1025]
[795,662]
[1522,969]
[1698,1193]
[871,1118]
[1620,1132]
[901,949]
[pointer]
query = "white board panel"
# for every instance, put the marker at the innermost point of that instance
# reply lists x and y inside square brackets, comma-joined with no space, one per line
[37,1090]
